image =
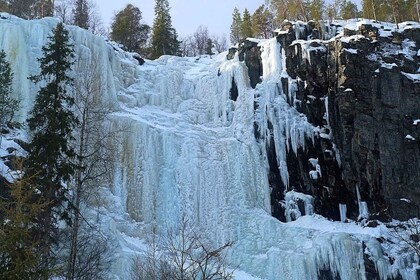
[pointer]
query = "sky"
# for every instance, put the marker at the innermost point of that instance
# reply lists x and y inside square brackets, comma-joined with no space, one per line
[187,15]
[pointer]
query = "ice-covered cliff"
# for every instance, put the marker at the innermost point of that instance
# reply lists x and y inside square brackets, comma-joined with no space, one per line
[194,138]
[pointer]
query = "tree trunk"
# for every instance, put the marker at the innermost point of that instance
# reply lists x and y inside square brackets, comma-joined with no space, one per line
[79,185]
[373,10]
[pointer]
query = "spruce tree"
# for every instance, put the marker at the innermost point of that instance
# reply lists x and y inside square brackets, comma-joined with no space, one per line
[164,36]
[246,25]
[128,30]
[51,124]
[8,105]
[235,27]
[81,14]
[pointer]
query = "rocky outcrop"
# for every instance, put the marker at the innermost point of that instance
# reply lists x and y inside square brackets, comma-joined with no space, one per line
[362,90]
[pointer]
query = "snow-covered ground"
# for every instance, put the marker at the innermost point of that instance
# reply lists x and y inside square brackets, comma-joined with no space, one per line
[185,148]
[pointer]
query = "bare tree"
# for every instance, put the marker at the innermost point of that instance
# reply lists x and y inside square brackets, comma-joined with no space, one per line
[183,254]
[408,233]
[90,147]
[219,43]
[201,36]
[187,47]
[63,10]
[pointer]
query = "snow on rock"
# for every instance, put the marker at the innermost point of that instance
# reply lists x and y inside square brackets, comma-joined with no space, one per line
[292,201]
[181,146]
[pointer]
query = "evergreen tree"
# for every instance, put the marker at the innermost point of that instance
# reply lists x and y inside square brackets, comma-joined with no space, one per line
[246,25]
[209,46]
[8,105]
[51,124]
[81,14]
[22,8]
[128,30]
[4,7]
[235,28]
[280,11]
[348,10]
[164,36]
[262,23]
[316,9]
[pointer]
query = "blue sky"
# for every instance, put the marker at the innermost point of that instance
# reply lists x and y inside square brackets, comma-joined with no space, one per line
[187,15]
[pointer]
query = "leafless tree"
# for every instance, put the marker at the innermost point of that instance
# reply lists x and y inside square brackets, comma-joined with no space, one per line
[63,10]
[201,36]
[183,254]
[91,156]
[219,43]
[408,233]
[187,46]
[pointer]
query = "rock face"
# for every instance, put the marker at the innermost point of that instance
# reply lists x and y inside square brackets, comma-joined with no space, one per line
[361,88]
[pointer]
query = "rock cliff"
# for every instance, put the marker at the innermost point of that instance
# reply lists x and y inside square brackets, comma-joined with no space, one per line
[360,86]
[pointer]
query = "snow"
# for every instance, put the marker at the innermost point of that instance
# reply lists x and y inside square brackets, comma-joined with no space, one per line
[413,77]
[409,137]
[181,146]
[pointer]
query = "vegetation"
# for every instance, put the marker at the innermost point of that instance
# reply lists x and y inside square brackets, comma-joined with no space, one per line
[51,124]
[128,30]
[182,254]
[235,28]
[164,39]
[20,239]
[8,105]
[81,14]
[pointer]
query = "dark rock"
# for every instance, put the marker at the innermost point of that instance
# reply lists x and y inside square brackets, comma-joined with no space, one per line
[371,108]
[251,54]
[137,57]
[372,223]
[233,93]
[231,53]
[370,269]
[23,144]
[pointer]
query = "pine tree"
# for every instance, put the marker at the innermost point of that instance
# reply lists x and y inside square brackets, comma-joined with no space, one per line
[164,36]
[262,23]
[128,30]
[51,124]
[280,11]
[81,14]
[348,10]
[316,9]
[8,105]
[235,28]
[246,25]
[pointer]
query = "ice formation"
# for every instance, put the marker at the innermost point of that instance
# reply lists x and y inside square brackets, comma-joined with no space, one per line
[185,148]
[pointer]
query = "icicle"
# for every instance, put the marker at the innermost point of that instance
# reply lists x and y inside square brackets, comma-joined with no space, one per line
[363,207]
[343,212]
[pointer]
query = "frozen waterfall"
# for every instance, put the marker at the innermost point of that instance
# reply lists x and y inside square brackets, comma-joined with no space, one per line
[184,147]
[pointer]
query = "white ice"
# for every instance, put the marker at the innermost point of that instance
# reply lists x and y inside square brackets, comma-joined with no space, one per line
[183,147]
